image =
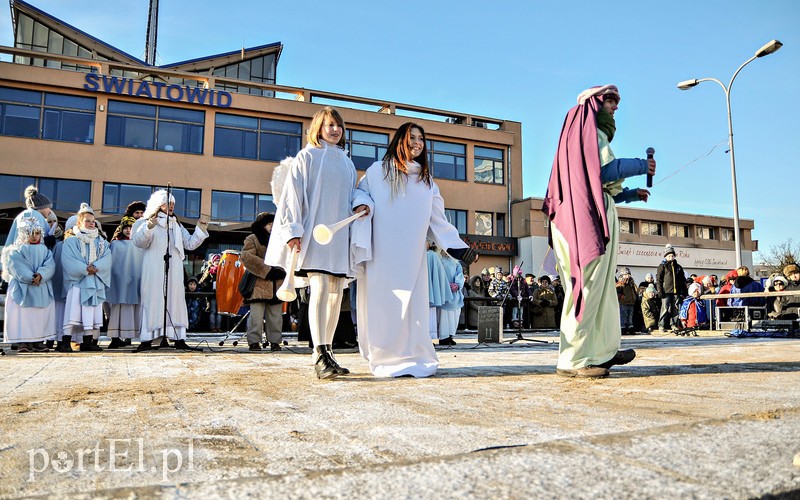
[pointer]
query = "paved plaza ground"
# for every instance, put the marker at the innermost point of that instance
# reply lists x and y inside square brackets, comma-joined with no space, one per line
[691,417]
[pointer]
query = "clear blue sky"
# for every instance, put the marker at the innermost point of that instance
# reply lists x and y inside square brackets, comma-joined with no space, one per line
[527,61]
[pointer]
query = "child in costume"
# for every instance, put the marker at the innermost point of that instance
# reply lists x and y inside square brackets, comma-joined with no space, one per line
[28,267]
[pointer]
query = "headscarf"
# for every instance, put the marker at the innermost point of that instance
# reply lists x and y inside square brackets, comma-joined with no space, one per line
[157,199]
[574,201]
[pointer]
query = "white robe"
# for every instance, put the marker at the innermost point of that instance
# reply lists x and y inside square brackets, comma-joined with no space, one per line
[154,243]
[123,298]
[392,303]
[320,188]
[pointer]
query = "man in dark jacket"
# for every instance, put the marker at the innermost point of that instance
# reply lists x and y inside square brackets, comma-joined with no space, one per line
[671,286]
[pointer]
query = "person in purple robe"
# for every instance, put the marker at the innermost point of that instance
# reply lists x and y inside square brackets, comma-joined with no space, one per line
[585,183]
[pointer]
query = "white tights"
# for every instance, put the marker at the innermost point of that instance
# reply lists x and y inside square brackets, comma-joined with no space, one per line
[324,306]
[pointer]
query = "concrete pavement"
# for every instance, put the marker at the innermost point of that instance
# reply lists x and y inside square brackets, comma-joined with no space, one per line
[703,417]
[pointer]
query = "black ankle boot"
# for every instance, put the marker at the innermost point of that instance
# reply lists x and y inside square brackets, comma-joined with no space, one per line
[324,365]
[181,344]
[65,344]
[49,344]
[116,343]
[88,344]
[145,345]
[340,370]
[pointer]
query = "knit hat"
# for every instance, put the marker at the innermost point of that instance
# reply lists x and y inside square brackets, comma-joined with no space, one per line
[648,277]
[781,279]
[650,290]
[791,268]
[695,287]
[668,250]
[625,271]
[36,200]
[85,208]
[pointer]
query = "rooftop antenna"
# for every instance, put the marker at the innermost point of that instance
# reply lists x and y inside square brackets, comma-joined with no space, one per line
[152,34]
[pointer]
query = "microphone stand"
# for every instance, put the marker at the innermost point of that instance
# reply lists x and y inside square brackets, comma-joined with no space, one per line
[518,280]
[164,341]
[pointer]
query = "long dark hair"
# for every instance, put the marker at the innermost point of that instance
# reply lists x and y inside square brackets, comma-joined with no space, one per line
[399,152]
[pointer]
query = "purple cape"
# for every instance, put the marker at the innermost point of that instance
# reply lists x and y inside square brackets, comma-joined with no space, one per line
[574,199]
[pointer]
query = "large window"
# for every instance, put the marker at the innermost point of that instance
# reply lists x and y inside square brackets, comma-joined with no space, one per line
[488,165]
[260,70]
[366,147]
[705,233]
[65,194]
[625,226]
[239,207]
[256,138]
[149,126]
[651,228]
[483,223]
[43,115]
[447,160]
[116,197]
[678,231]
[457,218]
[33,35]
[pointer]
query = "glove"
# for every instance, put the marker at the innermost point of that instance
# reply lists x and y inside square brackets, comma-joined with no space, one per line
[275,274]
[50,241]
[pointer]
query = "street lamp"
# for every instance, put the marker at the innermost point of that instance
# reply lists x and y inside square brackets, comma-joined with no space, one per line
[766,50]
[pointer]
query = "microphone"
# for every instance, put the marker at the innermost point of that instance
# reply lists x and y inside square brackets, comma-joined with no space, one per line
[650,152]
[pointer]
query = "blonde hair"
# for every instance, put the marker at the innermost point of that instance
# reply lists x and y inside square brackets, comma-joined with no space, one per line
[742,271]
[315,130]
[82,217]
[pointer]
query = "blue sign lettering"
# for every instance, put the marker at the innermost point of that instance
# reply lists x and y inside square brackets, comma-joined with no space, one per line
[153,90]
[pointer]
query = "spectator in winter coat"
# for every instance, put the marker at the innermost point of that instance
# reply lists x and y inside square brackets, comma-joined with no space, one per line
[651,308]
[626,294]
[693,311]
[788,307]
[671,286]
[745,284]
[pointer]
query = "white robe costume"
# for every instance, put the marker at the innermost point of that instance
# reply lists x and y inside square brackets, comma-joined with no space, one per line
[83,311]
[29,311]
[124,316]
[153,242]
[314,195]
[393,293]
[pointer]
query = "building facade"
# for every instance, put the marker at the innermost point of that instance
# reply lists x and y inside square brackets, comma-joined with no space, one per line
[85,121]
[703,244]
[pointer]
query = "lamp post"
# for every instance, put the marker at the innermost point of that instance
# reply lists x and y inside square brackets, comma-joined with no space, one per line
[766,50]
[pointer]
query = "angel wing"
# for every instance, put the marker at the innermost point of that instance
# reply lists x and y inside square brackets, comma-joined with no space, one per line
[279,175]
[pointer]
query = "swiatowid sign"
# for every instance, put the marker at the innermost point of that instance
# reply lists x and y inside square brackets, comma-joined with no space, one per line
[157,90]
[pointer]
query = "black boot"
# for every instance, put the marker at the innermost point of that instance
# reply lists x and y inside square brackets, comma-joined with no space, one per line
[116,343]
[324,365]
[181,344]
[145,345]
[49,344]
[340,370]
[88,344]
[255,346]
[65,344]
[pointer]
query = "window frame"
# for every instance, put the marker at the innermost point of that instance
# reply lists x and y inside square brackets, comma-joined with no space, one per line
[502,164]
[44,111]
[187,209]
[648,225]
[457,214]
[434,151]
[261,134]
[188,130]
[259,198]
